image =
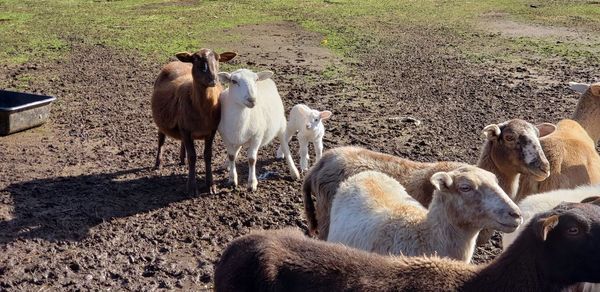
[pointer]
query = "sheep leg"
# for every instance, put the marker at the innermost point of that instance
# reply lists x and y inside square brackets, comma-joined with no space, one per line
[232,153]
[288,156]
[208,143]
[161,142]
[303,155]
[191,154]
[252,156]
[182,154]
[318,148]
[288,138]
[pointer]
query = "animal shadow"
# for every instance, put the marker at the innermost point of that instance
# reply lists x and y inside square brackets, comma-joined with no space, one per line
[65,208]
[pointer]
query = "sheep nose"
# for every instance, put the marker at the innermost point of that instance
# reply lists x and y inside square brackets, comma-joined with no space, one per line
[514,214]
[251,99]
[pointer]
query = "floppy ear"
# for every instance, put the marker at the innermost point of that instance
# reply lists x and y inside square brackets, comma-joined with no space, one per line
[491,132]
[546,129]
[545,225]
[224,77]
[325,115]
[592,200]
[264,75]
[224,57]
[184,57]
[579,87]
[595,89]
[441,180]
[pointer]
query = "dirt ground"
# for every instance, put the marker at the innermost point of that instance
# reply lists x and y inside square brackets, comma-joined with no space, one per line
[81,208]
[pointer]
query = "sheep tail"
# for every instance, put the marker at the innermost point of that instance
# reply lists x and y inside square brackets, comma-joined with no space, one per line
[309,206]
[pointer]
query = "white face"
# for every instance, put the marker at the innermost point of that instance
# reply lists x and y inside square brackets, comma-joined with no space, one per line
[242,85]
[313,119]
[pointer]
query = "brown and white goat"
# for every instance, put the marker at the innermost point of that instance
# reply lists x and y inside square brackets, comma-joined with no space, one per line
[185,106]
[337,164]
[558,248]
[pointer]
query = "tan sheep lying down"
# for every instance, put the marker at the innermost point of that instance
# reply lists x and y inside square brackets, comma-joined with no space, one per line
[557,249]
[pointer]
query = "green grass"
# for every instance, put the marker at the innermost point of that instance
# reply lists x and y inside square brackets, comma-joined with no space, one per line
[34,29]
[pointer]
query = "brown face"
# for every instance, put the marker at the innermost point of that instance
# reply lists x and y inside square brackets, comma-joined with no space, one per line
[570,234]
[518,145]
[205,65]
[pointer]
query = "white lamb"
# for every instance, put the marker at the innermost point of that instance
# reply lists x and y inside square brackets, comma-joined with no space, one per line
[308,124]
[373,212]
[251,114]
[543,202]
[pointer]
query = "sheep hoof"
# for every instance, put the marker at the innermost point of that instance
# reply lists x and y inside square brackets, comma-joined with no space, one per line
[252,187]
[212,189]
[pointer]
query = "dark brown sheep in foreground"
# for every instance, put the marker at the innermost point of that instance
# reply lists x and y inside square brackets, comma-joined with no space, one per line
[557,249]
[185,106]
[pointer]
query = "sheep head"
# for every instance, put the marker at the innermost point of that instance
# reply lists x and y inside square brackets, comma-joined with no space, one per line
[516,147]
[242,85]
[205,64]
[315,117]
[473,199]
[568,236]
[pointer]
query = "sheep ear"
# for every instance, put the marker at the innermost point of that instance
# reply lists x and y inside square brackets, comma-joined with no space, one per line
[184,57]
[224,77]
[595,89]
[264,75]
[592,200]
[325,115]
[441,180]
[579,87]
[491,132]
[224,57]
[546,129]
[545,225]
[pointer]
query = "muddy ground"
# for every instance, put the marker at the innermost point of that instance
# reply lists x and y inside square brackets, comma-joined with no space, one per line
[81,207]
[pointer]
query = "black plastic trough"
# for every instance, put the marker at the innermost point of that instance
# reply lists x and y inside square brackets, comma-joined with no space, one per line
[20,111]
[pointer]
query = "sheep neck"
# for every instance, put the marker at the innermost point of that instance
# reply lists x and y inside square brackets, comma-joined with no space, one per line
[203,96]
[515,270]
[587,113]
[508,180]
[447,237]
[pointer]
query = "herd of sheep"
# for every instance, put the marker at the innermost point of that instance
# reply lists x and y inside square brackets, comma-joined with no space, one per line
[390,223]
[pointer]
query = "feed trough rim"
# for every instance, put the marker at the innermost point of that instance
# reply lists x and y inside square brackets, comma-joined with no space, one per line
[47,100]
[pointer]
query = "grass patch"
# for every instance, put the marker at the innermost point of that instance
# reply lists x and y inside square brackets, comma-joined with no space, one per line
[158,28]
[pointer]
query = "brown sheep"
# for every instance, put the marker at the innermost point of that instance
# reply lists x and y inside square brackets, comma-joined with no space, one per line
[337,164]
[571,149]
[185,106]
[558,248]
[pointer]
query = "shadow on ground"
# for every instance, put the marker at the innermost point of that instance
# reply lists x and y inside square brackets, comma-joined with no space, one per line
[65,208]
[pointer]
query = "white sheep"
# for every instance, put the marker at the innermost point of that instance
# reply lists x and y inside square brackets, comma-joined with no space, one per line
[251,114]
[308,124]
[373,212]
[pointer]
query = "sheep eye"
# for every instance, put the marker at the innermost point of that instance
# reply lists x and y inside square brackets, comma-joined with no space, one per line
[465,189]
[573,231]
[234,82]
[509,138]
